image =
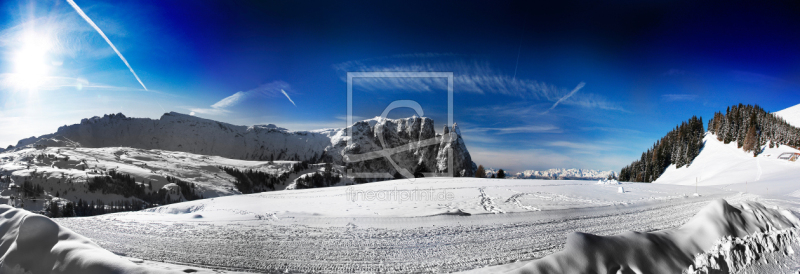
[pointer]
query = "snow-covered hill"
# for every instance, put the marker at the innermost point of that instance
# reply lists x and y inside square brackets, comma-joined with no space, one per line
[564,174]
[180,132]
[791,115]
[719,164]
[723,164]
[65,172]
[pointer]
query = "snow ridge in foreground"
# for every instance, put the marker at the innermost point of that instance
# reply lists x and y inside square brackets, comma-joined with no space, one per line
[673,250]
[734,254]
[33,243]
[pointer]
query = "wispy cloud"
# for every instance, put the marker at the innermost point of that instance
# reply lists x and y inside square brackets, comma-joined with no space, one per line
[679,97]
[473,77]
[89,20]
[230,100]
[272,89]
[517,129]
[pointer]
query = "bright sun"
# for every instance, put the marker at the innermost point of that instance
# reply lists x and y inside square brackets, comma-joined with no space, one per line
[30,61]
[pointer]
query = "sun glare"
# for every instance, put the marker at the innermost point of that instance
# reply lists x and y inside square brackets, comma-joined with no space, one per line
[31,61]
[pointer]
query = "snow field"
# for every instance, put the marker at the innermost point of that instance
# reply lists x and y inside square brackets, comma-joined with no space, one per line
[306,237]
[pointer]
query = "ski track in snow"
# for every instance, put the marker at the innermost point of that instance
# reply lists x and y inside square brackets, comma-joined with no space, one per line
[269,246]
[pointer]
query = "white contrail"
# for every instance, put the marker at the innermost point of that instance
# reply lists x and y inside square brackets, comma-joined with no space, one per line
[287,97]
[88,20]
[580,85]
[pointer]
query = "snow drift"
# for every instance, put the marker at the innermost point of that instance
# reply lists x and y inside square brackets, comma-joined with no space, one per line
[32,243]
[668,251]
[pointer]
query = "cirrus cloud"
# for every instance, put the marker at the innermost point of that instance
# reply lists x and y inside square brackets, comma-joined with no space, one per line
[273,89]
[472,77]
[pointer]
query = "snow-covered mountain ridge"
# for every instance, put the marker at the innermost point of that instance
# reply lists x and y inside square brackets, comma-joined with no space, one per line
[185,133]
[564,174]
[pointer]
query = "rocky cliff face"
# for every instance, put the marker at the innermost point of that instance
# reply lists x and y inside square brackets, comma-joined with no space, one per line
[413,142]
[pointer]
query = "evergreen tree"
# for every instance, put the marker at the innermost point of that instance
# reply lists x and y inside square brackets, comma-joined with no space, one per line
[679,147]
[750,143]
[53,210]
[480,173]
[68,210]
[743,119]
[501,174]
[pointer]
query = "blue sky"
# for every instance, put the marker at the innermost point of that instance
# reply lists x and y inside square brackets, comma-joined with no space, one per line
[642,68]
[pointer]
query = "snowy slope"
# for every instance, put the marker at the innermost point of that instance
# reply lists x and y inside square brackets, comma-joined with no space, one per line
[791,115]
[723,164]
[564,174]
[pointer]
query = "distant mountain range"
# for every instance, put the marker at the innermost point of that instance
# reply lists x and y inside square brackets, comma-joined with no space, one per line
[564,174]
[422,148]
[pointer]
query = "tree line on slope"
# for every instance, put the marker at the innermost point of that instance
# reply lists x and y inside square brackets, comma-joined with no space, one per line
[254,181]
[680,146]
[83,208]
[324,179]
[751,127]
[125,185]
